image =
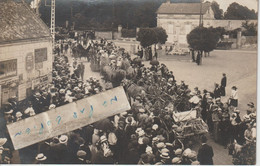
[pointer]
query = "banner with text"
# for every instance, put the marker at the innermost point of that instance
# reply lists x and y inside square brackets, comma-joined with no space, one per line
[68,117]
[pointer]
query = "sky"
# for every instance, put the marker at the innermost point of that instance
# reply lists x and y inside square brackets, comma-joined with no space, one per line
[251,4]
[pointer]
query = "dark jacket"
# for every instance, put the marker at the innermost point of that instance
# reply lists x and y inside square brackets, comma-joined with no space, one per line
[205,155]
[224,82]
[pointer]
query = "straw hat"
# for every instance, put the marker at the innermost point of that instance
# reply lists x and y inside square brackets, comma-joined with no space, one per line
[164,150]
[103,139]
[40,157]
[165,156]
[9,112]
[63,139]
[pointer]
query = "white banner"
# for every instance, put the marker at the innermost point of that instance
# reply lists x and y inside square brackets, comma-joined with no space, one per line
[68,117]
[182,116]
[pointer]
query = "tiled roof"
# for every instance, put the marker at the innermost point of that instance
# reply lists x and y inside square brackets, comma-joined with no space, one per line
[18,22]
[183,8]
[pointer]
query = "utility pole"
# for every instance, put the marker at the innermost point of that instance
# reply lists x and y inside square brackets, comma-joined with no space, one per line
[201,15]
[52,21]
[113,19]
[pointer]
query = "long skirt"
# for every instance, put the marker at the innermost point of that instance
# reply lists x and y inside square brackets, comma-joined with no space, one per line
[234,102]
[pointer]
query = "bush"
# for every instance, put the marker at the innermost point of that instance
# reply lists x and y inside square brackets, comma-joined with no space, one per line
[128,33]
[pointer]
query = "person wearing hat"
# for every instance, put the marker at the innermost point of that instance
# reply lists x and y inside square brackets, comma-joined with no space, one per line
[234,97]
[211,106]
[248,134]
[3,150]
[8,115]
[165,158]
[144,160]
[205,153]
[18,116]
[223,85]
[178,152]
[204,105]
[176,161]
[225,126]
[251,107]
[216,114]
[29,111]
[217,91]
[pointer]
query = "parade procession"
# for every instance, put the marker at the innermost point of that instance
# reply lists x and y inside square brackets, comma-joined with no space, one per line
[74,97]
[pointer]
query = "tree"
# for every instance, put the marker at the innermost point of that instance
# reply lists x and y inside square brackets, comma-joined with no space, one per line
[203,39]
[218,13]
[150,36]
[239,12]
[250,29]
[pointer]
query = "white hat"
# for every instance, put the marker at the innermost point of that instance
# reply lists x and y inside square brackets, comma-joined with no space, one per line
[141,133]
[138,130]
[195,163]
[3,141]
[40,157]
[103,138]
[186,152]
[81,153]
[52,106]
[178,152]
[149,149]
[10,111]
[140,141]
[165,156]
[176,160]
[141,110]
[63,139]
[161,145]
[164,150]
[18,114]
[155,127]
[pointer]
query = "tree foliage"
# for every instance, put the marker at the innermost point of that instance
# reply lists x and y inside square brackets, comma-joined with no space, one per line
[150,36]
[203,39]
[250,29]
[239,12]
[218,13]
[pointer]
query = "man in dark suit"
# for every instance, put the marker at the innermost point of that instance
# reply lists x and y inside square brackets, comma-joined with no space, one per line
[223,85]
[205,153]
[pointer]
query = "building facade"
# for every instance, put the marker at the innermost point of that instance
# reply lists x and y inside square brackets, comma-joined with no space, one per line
[25,51]
[178,19]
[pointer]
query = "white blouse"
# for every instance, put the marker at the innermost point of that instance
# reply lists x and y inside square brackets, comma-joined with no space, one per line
[234,94]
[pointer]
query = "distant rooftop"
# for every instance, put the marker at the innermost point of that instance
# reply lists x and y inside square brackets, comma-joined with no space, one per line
[183,8]
[18,22]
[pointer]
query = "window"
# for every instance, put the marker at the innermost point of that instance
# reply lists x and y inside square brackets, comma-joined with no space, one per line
[170,28]
[40,55]
[8,68]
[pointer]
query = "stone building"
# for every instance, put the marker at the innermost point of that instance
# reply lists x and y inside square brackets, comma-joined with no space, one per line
[25,51]
[178,19]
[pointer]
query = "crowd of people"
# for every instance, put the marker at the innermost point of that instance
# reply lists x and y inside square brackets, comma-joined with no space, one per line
[145,134]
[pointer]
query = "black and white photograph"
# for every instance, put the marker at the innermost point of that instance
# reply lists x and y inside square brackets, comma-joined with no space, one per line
[128,82]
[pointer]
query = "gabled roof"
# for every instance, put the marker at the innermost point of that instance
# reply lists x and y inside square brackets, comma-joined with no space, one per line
[18,22]
[183,8]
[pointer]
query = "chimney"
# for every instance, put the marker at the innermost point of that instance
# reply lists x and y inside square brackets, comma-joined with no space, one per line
[168,1]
